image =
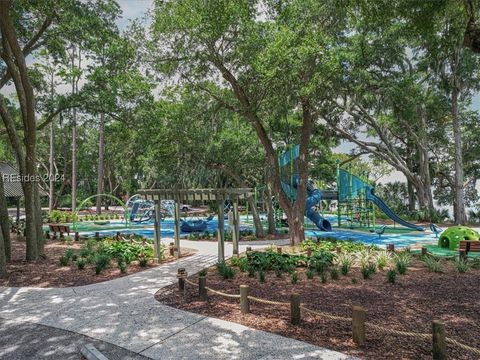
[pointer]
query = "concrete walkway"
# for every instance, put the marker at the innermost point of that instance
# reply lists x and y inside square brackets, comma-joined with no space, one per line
[124,312]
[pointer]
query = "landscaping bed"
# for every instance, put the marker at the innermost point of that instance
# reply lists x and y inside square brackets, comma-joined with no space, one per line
[49,273]
[409,304]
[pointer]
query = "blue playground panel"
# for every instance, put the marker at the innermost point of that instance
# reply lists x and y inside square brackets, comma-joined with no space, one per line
[400,240]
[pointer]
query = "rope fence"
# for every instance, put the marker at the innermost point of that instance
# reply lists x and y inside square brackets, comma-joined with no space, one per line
[358,319]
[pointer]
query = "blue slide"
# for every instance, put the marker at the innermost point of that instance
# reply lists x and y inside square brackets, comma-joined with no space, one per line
[370,194]
[314,197]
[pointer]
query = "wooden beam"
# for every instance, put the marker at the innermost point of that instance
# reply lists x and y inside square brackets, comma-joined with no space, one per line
[236,228]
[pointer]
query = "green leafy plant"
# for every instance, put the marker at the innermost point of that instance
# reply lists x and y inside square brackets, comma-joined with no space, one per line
[323,278]
[402,261]
[81,264]
[122,267]
[334,273]
[142,261]
[261,276]
[476,263]
[391,276]
[225,271]
[320,261]
[251,271]
[354,280]
[278,273]
[69,254]
[461,265]
[63,260]
[368,270]
[101,261]
[294,277]
[383,259]
[310,273]
[203,272]
[433,264]
[345,261]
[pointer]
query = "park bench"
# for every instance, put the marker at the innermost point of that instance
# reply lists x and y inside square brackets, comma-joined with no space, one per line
[60,229]
[467,246]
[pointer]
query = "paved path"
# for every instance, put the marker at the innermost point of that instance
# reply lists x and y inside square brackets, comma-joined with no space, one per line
[124,312]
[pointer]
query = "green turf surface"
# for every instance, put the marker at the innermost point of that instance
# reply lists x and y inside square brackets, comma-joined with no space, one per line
[445,252]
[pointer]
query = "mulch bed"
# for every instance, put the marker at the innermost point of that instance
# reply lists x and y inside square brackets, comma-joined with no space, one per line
[410,304]
[48,273]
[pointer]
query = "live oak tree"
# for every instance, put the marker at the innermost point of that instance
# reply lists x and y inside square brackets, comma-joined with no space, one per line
[262,54]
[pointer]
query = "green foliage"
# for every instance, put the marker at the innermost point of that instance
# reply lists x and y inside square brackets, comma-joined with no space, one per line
[242,263]
[122,266]
[70,254]
[323,278]
[334,273]
[320,261]
[345,261]
[310,273]
[81,263]
[63,260]
[330,244]
[461,265]
[354,280]
[391,276]
[203,272]
[383,259]
[225,271]
[251,271]
[261,276]
[402,261]
[433,264]
[294,277]
[101,261]
[368,270]
[269,260]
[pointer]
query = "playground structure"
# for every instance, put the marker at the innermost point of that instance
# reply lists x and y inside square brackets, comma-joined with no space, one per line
[355,196]
[178,196]
[451,237]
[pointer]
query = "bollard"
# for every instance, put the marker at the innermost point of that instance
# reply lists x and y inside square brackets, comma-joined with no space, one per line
[358,325]
[171,249]
[424,251]
[279,250]
[391,247]
[338,249]
[309,252]
[244,302]
[118,235]
[77,236]
[439,343]
[295,309]
[181,274]
[97,235]
[202,290]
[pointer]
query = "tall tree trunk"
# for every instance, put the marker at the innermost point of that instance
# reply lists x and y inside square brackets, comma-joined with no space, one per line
[74,161]
[101,162]
[257,223]
[459,190]
[3,258]
[272,229]
[51,170]
[4,224]
[411,196]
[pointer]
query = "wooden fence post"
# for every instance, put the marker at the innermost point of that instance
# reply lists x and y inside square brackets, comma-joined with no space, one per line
[338,249]
[172,249]
[202,290]
[181,281]
[309,252]
[77,236]
[358,325]
[279,250]
[424,250]
[439,343]
[391,247]
[244,302]
[118,235]
[295,308]
[97,235]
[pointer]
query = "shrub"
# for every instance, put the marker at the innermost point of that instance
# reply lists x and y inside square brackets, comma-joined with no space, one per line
[81,264]
[101,261]
[433,264]
[461,265]
[323,278]
[123,267]
[203,272]
[391,276]
[143,261]
[476,263]
[368,270]
[251,271]
[261,275]
[278,273]
[402,261]
[294,277]
[345,261]
[320,261]
[69,254]
[225,271]
[63,260]
[354,280]
[334,273]
[310,273]
[241,262]
[383,259]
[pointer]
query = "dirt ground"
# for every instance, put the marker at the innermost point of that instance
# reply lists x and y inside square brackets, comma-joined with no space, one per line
[48,273]
[410,304]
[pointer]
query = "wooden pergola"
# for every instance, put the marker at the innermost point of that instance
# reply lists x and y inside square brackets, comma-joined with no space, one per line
[185,195]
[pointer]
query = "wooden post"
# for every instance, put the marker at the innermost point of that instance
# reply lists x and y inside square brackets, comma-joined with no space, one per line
[424,251]
[118,235]
[279,250]
[177,227]
[439,343]
[338,249]
[244,302]
[202,290]
[77,236]
[462,254]
[295,308]
[171,249]
[358,325]
[221,233]
[249,248]
[181,273]
[157,245]
[391,247]
[97,235]
[236,227]
[309,252]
